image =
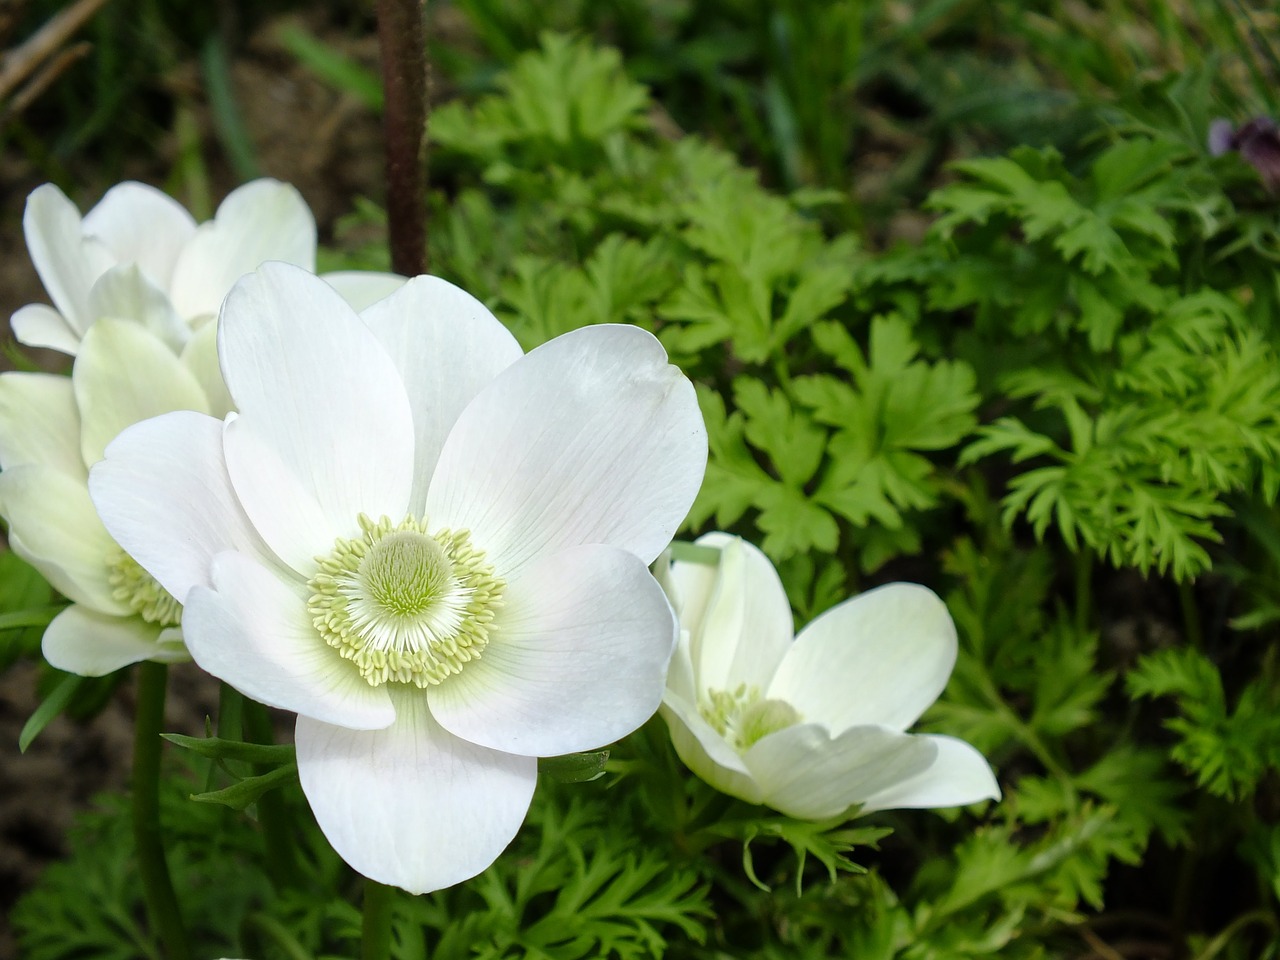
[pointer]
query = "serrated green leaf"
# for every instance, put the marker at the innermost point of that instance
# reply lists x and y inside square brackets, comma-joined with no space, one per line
[245,792]
[220,749]
[795,445]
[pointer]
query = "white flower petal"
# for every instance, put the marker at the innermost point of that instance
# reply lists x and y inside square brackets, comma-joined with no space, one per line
[680,678]
[37,325]
[707,753]
[740,632]
[124,293]
[958,776]
[39,423]
[200,357]
[66,261]
[285,514]
[92,644]
[577,659]
[363,288]
[260,221]
[590,438]
[881,657]
[447,346]
[122,376]
[321,391]
[164,493]
[53,526]
[805,773]
[412,805]
[139,224]
[253,631]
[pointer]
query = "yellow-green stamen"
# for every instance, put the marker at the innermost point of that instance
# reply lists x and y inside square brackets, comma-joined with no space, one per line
[742,717]
[405,605]
[136,588]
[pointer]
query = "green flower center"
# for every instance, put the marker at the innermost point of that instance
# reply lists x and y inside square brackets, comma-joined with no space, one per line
[136,588]
[742,717]
[405,605]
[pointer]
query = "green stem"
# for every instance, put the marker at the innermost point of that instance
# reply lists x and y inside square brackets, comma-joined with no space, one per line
[375,929]
[1220,942]
[162,904]
[1190,615]
[1022,731]
[1084,588]
[281,861]
[402,42]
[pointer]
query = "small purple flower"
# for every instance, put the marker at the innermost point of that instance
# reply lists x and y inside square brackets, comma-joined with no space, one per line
[1257,141]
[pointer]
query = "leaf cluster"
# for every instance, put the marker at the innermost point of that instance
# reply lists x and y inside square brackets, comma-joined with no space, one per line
[823,423]
[1229,749]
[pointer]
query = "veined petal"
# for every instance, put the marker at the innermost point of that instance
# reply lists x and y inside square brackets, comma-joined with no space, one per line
[66,261]
[53,526]
[958,776]
[806,773]
[260,221]
[37,325]
[707,753]
[881,658]
[122,376]
[577,658]
[39,423]
[200,357]
[363,288]
[319,390]
[413,805]
[253,631]
[125,293]
[92,644]
[590,438]
[164,493]
[447,346]
[741,631]
[139,224]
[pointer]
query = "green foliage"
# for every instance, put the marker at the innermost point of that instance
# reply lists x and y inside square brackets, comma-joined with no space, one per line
[1228,750]
[583,890]
[568,101]
[1086,330]
[91,903]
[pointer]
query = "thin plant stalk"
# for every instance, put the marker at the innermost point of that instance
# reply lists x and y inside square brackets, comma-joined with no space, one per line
[402,41]
[375,927]
[162,903]
[281,860]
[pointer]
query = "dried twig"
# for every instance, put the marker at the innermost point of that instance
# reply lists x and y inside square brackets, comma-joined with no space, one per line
[42,57]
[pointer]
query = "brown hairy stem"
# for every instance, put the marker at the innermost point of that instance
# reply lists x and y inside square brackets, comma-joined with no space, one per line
[402,40]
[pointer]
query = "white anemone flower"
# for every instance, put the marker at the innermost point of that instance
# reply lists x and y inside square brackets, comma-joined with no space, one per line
[813,727]
[136,284]
[140,256]
[429,546]
[52,429]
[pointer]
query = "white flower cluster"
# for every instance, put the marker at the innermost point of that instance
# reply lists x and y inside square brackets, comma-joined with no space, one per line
[357,499]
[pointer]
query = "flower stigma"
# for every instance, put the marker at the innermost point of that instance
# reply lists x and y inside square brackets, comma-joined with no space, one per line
[405,605]
[743,717]
[139,591]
